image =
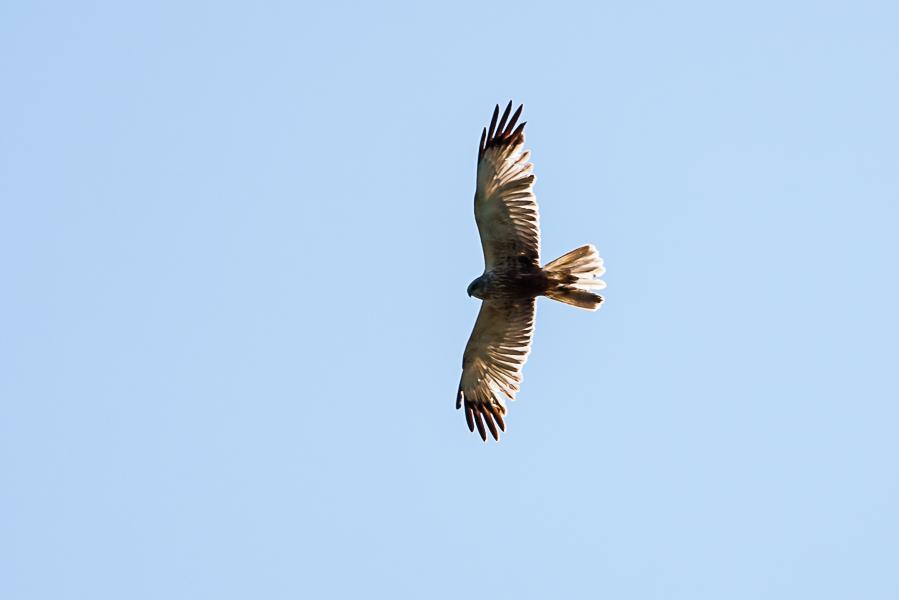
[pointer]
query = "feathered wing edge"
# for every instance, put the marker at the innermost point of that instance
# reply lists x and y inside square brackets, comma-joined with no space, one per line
[505,207]
[505,133]
[492,364]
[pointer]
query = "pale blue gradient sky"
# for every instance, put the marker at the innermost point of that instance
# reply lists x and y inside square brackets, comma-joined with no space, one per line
[235,242]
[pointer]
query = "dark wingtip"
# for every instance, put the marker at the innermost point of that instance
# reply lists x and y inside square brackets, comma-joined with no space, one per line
[513,120]
[493,123]
[501,128]
[518,130]
[477,414]
[491,425]
[479,421]
[497,412]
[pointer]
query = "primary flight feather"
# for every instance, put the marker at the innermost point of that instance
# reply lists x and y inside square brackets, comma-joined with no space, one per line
[505,210]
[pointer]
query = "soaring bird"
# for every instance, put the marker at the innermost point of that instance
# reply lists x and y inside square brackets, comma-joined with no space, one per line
[505,210]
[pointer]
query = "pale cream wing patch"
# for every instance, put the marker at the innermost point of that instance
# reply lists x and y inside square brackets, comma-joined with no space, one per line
[491,366]
[505,207]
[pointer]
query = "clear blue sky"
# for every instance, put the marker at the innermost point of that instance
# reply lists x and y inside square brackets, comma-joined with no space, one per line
[234,247]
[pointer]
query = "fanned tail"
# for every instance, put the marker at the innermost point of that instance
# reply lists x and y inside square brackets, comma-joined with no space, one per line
[574,275]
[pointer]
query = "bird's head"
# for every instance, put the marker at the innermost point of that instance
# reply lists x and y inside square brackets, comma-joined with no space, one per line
[476,288]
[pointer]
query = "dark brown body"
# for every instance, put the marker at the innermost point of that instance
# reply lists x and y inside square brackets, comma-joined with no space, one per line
[516,283]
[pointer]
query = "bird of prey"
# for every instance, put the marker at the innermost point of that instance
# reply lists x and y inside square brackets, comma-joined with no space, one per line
[505,210]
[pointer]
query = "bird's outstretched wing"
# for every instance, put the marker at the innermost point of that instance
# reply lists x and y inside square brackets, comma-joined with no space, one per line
[491,366]
[505,208]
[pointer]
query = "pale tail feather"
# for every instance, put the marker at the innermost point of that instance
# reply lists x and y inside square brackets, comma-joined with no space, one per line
[574,275]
